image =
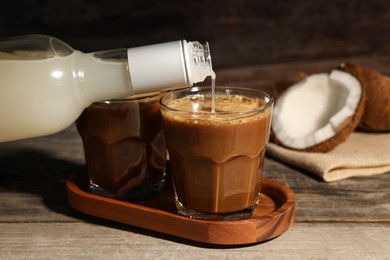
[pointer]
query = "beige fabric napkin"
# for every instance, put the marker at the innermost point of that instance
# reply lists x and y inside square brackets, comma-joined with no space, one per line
[363,154]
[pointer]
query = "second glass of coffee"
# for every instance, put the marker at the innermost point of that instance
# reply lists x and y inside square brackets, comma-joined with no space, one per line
[124,147]
[216,155]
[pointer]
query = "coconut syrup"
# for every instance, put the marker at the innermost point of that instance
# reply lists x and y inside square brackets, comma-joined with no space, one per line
[213,78]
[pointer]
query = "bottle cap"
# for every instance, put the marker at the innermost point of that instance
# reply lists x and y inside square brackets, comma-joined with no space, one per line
[164,65]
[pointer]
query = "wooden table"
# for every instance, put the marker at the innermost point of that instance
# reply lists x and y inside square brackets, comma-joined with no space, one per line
[348,219]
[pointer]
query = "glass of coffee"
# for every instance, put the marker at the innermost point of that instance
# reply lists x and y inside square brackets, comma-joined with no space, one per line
[124,147]
[216,144]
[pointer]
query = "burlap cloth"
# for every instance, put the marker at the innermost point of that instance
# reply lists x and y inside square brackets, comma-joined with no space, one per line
[362,154]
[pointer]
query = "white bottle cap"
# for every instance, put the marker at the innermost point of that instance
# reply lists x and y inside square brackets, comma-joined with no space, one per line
[164,65]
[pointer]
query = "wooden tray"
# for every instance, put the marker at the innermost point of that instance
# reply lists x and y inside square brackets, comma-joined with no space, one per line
[274,215]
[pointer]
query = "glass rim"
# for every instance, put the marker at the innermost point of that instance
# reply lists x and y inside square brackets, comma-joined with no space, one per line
[129,98]
[269,100]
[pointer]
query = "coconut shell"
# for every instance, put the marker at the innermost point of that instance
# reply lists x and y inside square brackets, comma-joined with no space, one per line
[376,116]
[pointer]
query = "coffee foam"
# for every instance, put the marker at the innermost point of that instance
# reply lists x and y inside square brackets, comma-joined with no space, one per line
[229,109]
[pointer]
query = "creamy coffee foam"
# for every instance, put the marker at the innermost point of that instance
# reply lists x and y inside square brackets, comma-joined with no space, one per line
[223,103]
[228,108]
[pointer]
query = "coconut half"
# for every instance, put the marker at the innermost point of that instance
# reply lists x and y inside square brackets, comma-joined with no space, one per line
[319,112]
[376,116]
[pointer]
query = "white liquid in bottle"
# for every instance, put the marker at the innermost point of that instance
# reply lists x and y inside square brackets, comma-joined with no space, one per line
[39,97]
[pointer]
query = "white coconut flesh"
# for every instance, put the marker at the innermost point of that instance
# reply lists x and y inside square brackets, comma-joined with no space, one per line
[313,110]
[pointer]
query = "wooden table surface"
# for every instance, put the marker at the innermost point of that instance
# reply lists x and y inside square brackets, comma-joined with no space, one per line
[348,219]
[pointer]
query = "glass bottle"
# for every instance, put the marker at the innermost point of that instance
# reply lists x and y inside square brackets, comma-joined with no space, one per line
[45,84]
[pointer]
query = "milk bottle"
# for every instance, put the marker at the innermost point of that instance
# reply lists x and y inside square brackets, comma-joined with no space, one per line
[45,84]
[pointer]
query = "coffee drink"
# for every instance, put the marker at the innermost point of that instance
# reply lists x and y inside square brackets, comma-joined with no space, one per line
[124,146]
[217,158]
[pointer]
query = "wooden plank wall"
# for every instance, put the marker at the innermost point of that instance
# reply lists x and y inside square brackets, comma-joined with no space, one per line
[240,32]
